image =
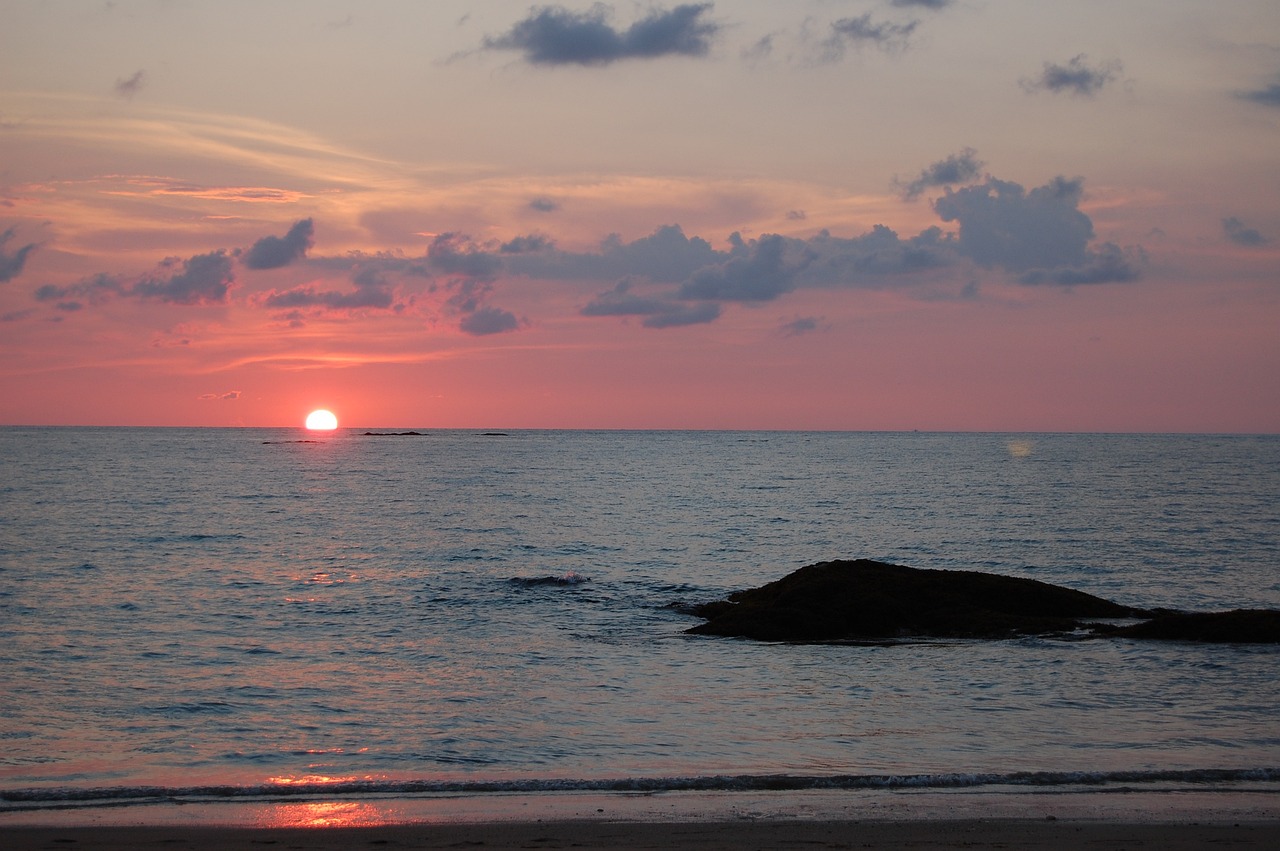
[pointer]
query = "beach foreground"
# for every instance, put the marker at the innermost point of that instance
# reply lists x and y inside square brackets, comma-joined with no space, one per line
[1006,833]
[1242,817]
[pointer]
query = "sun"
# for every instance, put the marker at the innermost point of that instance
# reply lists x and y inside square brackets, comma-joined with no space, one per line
[322,420]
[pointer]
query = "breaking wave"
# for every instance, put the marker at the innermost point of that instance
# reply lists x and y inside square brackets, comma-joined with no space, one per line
[32,799]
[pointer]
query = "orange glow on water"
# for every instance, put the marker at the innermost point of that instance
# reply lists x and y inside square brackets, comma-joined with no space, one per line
[312,780]
[326,814]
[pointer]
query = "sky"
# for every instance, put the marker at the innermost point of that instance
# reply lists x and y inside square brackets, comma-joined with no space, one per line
[993,215]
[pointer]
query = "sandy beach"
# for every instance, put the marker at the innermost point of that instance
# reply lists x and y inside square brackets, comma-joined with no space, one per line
[1170,818]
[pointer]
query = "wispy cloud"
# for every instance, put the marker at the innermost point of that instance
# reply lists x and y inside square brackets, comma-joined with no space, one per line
[863,31]
[1266,96]
[1076,77]
[553,35]
[11,264]
[127,87]
[955,169]
[1240,234]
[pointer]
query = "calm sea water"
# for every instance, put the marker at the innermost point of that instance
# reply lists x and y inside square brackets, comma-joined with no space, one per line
[189,612]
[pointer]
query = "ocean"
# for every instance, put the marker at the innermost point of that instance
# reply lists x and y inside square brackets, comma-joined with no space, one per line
[240,614]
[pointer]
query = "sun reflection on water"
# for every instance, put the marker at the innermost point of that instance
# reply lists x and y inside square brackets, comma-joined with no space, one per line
[326,814]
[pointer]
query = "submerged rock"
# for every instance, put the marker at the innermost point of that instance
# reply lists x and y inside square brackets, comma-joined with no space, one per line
[866,600]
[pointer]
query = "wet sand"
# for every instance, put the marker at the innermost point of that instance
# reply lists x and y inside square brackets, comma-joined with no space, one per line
[1176,818]
[1008,833]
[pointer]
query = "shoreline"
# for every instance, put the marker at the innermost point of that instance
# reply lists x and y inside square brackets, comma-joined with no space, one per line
[1223,805]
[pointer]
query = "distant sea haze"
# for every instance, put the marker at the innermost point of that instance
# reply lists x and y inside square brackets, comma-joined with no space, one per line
[229,613]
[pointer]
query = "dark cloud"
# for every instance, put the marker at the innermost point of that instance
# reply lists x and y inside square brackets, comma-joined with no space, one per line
[1270,96]
[658,311]
[454,254]
[128,87]
[371,293]
[870,259]
[230,395]
[666,255]
[272,252]
[489,320]
[11,264]
[796,215]
[553,35]
[1108,264]
[203,279]
[523,244]
[955,169]
[96,288]
[543,205]
[862,30]
[1074,78]
[1041,234]
[1238,233]
[925,4]
[761,271]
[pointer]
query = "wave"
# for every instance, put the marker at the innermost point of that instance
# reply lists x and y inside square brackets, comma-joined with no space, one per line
[570,578]
[52,798]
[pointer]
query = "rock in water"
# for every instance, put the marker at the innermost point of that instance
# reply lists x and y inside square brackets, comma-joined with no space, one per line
[868,600]
[1239,626]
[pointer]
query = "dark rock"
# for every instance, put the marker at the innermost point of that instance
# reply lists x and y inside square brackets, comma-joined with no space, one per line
[392,434]
[863,599]
[1239,626]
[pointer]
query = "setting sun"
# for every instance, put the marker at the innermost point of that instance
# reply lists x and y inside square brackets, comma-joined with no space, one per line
[321,421]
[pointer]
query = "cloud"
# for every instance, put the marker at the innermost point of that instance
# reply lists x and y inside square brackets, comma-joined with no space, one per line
[553,35]
[1074,78]
[454,254]
[1109,264]
[128,87]
[925,4]
[523,244]
[272,252]
[862,30]
[371,292]
[11,264]
[761,271]
[1269,96]
[1241,235]
[478,318]
[868,260]
[1040,234]
[800,325]
[96,288]
[489,320]
[230,395]
[543,205]
[203,279]
[666,255]
[659,311]
[957,168]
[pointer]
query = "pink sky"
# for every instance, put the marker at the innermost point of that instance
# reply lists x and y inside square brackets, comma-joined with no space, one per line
[872,214]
